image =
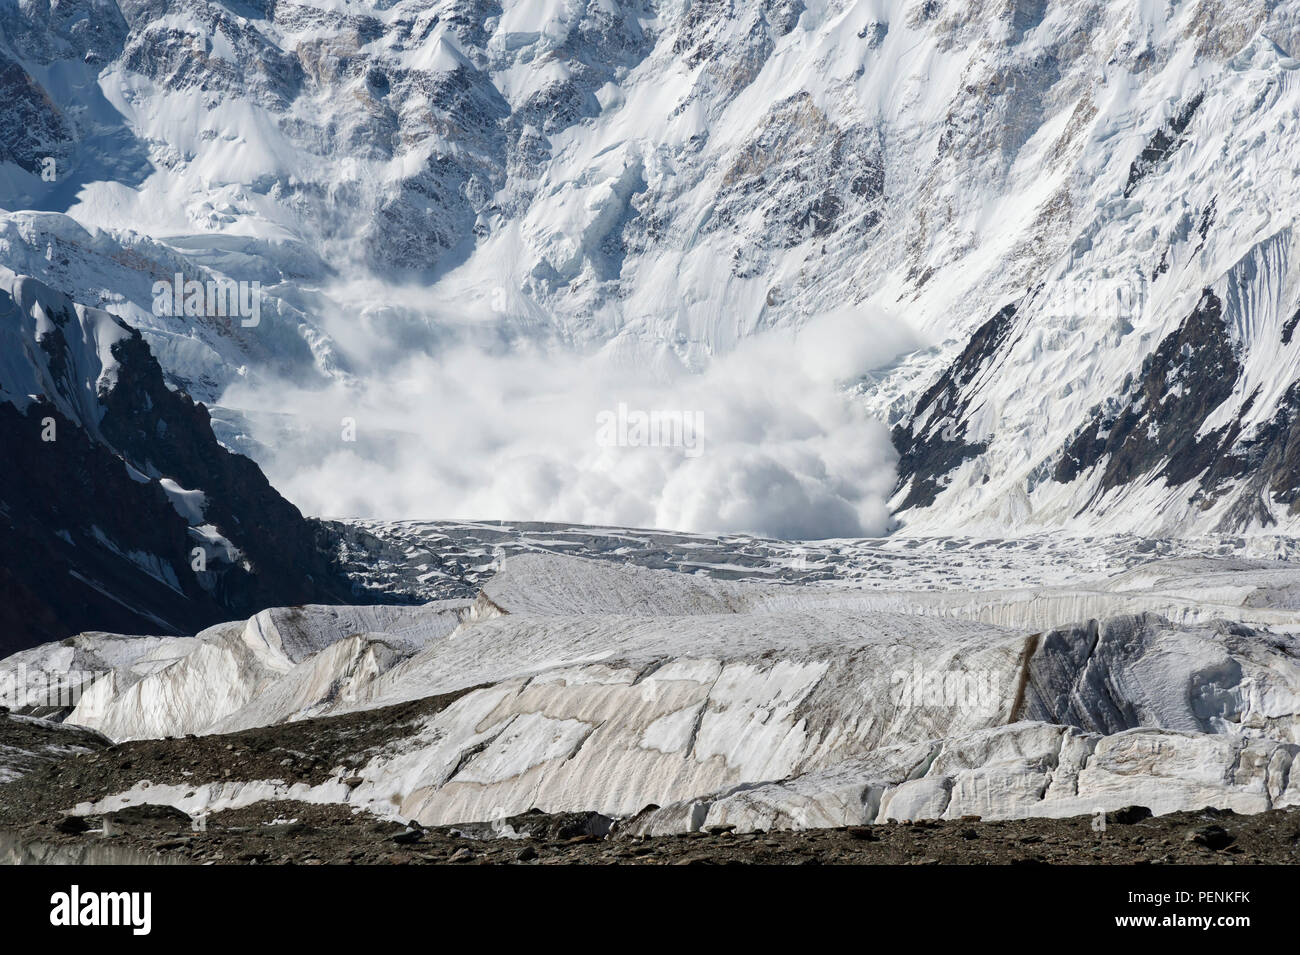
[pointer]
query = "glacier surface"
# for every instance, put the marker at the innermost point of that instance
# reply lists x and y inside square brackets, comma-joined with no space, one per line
[674,702]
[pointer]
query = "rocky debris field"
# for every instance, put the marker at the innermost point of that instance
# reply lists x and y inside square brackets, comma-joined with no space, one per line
[27,744]
[304,751]
[77,766]
[295,833]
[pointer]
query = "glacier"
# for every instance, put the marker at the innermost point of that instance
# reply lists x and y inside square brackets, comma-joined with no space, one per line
[675,702]
[1010,281]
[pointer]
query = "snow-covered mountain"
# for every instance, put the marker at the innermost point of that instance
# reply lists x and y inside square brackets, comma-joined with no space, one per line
[118,507]
[1015,275]
[1082,208]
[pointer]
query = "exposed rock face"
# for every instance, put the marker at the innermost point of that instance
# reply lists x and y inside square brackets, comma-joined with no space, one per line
[1200,432]
[60,585]
[1187,419]
[1155,427]
[932,442]
[801,177]
[35,128]
[121,508]
[1162,145]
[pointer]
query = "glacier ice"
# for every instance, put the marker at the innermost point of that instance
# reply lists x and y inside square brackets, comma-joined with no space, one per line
[578,684]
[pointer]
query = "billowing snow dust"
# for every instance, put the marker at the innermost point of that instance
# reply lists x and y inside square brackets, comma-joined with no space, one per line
[771,443]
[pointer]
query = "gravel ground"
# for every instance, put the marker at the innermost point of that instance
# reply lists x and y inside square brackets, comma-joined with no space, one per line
[303,834]
[75,767]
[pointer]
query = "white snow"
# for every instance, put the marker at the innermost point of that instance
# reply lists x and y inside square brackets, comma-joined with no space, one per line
[31,311]
[585,685]
[280,664]
[597,221]
[188,504]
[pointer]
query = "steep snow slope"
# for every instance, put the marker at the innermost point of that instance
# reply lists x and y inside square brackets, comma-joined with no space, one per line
[1081,203]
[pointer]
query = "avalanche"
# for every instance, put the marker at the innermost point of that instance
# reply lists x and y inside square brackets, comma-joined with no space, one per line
[1039,196]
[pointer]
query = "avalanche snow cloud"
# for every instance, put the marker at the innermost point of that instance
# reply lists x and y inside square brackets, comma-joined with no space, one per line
[769,441]
[1085,206]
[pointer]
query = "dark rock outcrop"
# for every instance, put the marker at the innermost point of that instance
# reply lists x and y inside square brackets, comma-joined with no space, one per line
[1153,426]
[933,440]
[89,536]
[1163,144]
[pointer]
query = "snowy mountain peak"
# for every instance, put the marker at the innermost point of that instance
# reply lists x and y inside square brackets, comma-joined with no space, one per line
[653,186]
